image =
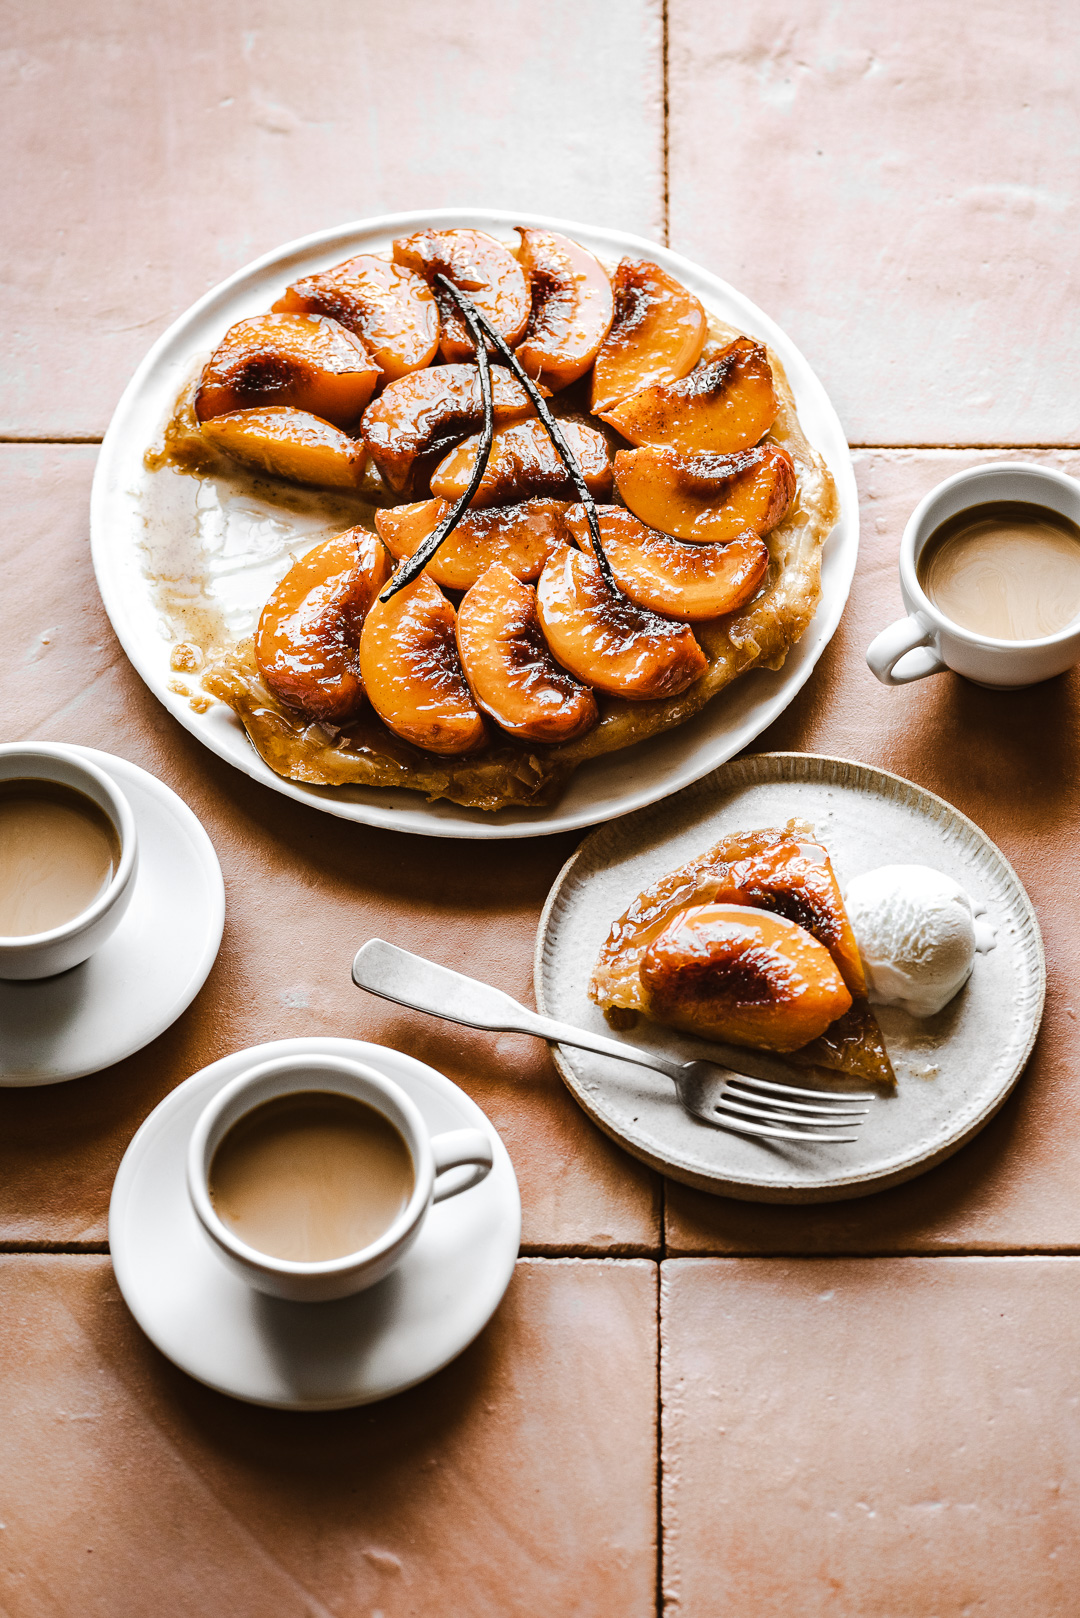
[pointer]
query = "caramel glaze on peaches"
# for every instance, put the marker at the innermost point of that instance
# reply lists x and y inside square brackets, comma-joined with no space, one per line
[415,421]
[723,406]
[571,311]
[390,308]
[411,673]
[524,462]
[289,443]
[732,973]
[657,334]
[608,641]
[509,668]
[695,582]
[483,268]
[306,645]
[521,537]
[707,497]
[305,361]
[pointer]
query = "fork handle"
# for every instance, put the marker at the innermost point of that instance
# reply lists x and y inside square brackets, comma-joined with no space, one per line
[410,980]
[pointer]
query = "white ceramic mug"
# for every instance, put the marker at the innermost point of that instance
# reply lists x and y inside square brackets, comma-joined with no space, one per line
[43,955]
[433,1156]
[926,642]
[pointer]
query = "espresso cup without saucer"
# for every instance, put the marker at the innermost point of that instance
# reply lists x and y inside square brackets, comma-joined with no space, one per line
[432,1157]
[926,642]
[44,955]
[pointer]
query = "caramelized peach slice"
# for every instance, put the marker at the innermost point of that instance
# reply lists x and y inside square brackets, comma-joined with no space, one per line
[301,360]
[524,462]
[418,418]
[606,640]
[289,443]
[657,334]
[720,408]
[707,497]
[509,668]
[572,306]
[668,576]
[483,268]
[732,973]
[521,537]
[306,645]
[410,669]
[388,306]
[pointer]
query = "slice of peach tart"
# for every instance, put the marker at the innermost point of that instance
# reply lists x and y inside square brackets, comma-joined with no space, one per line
[749,944]
[536,636]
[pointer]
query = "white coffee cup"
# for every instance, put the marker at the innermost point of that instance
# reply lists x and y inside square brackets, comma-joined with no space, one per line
[926,641]
[433,1156]
[43,955]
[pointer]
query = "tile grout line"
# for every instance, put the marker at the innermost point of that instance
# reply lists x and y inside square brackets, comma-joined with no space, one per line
[652,1255]
[659,1448]
[664,77]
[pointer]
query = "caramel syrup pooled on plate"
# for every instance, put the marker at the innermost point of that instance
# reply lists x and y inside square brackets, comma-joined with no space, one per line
[1007,569]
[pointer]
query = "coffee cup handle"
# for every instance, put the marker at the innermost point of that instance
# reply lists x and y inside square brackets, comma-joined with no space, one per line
[460,1148]
[909,635]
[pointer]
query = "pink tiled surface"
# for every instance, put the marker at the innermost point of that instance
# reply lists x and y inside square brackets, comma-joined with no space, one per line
[843,1436]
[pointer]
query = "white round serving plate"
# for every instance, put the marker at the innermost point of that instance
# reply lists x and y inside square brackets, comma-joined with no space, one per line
[602,788]
[954,1070]
[150,969]
[309,1356]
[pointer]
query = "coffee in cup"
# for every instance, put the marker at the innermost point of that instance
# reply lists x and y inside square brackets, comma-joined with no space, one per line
[58,853]
[1005,568]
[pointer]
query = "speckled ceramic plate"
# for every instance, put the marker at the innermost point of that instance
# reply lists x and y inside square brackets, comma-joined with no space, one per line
[953,1070]
[161,539]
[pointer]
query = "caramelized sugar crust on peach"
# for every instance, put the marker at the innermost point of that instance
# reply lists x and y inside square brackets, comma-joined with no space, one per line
[411,673]
[695,582]
[723,406]
[608,641]
[509,668]
[483,268]
[523,463]
[521,537]
[746,976]
[657,334]
[571,311]
[289,443]
[306,645]
[416,420]
[305,361]
[390,308]
[707,497]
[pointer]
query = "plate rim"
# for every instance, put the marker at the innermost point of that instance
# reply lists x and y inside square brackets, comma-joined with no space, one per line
[745,1190]
[123,1181]
[457,822]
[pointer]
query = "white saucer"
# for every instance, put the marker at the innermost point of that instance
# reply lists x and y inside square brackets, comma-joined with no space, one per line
[150,970]
[309,1356]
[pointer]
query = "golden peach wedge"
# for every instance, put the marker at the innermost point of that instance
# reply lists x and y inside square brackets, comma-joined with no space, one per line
[608,641]
[694,582]
[411,673]
[415,420]
[305,361]
[289,444]
[731,973]
[509,668]
[306,645]
[485,270]
[390,308]
[572,306]
[521,537]
[707,497]
[720,408]
[524,462]
[657,334]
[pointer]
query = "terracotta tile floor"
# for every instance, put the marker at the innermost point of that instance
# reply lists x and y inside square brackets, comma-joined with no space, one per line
[864,1411]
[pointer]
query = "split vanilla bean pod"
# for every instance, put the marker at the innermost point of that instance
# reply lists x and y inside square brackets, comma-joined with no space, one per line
[415,564]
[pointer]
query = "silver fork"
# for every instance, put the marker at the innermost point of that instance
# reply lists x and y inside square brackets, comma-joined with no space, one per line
[748,1094]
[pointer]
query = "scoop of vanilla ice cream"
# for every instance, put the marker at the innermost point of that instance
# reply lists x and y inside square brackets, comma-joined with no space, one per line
[915,928]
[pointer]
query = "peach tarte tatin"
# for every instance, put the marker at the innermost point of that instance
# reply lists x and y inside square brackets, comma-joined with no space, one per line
[532,640]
